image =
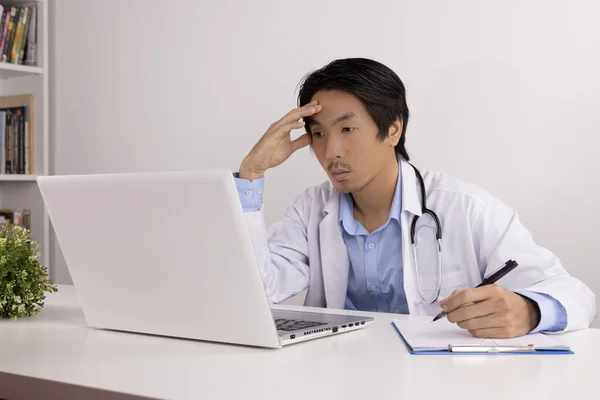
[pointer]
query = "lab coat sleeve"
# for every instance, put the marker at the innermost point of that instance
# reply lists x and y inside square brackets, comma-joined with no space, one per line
[499,235]
[281,251]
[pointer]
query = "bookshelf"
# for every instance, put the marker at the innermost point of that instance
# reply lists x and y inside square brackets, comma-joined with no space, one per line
[19,191]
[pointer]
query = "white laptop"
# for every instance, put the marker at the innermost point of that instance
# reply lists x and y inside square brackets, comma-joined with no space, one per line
[168,253]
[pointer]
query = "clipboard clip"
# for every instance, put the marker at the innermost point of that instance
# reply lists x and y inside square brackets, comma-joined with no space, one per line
[493,347]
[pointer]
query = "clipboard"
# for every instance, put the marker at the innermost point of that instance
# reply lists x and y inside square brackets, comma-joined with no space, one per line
[527,345]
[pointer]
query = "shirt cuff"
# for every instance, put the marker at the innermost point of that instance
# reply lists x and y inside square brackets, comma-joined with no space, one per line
[553,316]
[250,192]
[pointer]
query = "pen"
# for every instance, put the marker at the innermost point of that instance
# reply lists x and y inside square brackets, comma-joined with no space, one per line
[497,274]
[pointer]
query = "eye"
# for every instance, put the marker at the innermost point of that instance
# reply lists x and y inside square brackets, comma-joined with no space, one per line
[317,134]
[347,130]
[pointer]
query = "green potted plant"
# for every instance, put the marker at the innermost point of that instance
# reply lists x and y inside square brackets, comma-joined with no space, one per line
[23,280]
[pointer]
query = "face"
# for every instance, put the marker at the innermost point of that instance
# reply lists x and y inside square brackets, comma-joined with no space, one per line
[344,139]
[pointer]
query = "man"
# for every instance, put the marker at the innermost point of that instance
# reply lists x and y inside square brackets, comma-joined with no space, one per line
[348,240]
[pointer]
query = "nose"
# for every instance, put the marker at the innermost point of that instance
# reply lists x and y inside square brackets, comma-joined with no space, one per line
[334,147]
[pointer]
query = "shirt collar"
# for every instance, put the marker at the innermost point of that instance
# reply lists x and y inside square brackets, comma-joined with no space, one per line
[346,215]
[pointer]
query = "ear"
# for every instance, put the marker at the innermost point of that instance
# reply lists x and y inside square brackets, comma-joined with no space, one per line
[394,132]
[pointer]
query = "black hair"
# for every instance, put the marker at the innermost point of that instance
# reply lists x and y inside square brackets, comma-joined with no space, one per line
[375,85]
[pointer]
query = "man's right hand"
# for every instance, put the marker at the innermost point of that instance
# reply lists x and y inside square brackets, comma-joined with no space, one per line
[276,145]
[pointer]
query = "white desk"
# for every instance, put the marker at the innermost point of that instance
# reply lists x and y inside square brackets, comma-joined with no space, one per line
[55,353]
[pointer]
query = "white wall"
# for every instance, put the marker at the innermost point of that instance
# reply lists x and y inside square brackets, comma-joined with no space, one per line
[503,93]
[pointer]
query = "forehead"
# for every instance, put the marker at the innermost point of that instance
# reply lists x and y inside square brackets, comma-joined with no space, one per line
[336,103]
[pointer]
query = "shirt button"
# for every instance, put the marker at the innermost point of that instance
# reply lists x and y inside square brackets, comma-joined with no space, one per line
[373,287]
[248,193]
[371,246]
[259,191]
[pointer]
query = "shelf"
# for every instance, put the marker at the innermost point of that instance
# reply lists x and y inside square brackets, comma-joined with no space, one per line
[8,70]
[10,3]
[17,177]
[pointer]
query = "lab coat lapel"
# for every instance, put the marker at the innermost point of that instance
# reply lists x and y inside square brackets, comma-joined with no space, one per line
[411,189]
[334,255]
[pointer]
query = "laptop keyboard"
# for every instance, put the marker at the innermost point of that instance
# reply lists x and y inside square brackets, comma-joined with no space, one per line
[294,324]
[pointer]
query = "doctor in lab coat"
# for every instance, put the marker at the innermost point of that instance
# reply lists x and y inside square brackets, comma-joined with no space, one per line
[347,240]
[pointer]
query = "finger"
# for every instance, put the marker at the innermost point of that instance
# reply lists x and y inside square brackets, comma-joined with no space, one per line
[301,142]
[494,333]
[304,112]
[480,309]
[493,320]
[291,113]
[296,114]
[284,130]
[468,296]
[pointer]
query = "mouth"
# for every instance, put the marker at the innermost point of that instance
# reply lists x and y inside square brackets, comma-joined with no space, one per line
[339,175]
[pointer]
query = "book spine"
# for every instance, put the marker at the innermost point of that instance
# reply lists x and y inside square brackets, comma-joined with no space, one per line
[6,141]
[15,143]
[26,138]
[27,219]
[15,115]
[25,36]
[2,142]
[5,32]
[10,34]
[9,142]
[20,32]
[15,139]
[21,141]
[2,25]
[30,53]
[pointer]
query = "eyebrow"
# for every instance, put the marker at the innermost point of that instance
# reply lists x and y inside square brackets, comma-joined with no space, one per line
[341,118]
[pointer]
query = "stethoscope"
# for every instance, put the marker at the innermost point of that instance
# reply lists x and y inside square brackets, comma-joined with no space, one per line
[438,235]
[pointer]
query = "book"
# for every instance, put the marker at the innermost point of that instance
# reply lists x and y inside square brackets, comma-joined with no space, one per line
[19,133]
[31,44]
[19,217]
[18,34]
[10,34]
[6,16]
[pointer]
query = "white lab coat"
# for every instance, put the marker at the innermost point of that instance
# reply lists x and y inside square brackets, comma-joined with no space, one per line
[305,248]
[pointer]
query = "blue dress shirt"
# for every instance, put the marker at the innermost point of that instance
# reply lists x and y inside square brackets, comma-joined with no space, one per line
[375,277]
